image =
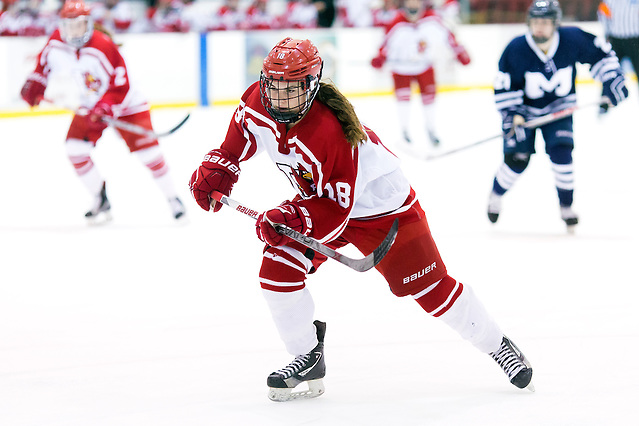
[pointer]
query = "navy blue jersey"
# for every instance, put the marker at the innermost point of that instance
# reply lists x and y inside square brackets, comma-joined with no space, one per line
[533,83]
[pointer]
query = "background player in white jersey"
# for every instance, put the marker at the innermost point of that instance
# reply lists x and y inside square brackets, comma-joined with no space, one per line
[537,73]
[620,20]
[350,189]
[92,61]
[410,46]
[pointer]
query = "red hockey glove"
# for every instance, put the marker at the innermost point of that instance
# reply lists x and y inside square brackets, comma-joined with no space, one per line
[101,109]
[219,171]
[462,55]
[292,215]
[378,61]
[33,90]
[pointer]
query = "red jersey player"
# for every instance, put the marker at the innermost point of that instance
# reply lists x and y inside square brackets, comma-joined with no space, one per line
[409,48]
[92,59]
[350,189]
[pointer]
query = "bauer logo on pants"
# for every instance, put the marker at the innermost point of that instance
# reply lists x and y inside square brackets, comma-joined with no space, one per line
[419,274]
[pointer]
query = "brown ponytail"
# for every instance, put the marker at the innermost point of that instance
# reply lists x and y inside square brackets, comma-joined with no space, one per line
[330,96]
[99,27]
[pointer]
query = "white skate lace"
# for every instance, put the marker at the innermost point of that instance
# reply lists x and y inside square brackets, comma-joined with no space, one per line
[295,366]
[508,360]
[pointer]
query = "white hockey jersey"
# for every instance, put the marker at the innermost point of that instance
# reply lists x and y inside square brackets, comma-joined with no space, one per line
[411,48]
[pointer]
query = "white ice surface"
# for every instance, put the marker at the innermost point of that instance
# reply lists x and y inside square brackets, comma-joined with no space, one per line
[148,322]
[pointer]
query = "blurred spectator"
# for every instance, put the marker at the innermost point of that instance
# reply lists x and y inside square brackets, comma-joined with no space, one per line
[115,16]
[383,16]
[228,17]
[193,17]
[325,13]
[23,18]
[356,13]
[300,14]
[259,18]
[167,16]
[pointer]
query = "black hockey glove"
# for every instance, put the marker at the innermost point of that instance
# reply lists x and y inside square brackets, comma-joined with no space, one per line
[614,88]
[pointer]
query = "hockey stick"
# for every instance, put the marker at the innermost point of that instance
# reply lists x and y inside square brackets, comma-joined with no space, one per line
[531,124]
[139,130]
[129,127]
[359,265]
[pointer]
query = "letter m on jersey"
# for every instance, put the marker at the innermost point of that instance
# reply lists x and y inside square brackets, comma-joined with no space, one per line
[537,85]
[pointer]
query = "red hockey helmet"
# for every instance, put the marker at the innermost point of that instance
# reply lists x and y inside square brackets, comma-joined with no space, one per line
[76,25]
[73,9]
[290,79]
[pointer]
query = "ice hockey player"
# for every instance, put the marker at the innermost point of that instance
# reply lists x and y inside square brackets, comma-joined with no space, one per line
[350,189]
[410,48]
[91,60]
[537,73]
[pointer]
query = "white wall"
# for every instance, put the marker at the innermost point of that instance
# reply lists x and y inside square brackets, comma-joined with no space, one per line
[166,67]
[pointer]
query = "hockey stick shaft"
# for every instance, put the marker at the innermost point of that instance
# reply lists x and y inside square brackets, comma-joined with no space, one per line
[531,124]
[359,265]
[143,131]
[124,125]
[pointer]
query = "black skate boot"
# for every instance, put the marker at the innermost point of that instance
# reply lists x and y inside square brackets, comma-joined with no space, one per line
[570,217]
[434,140]
[494,206]
[101,210]
[308,368]
[514,364]
[177,208]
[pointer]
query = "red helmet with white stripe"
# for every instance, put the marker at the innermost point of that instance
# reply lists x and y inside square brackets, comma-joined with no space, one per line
[290,79]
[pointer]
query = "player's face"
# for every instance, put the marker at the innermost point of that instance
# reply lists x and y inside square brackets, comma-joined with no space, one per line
[541,29]
[413,6]
[286,96]
[76,27]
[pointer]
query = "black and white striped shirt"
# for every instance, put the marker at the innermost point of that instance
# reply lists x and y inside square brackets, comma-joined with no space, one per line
[620,18]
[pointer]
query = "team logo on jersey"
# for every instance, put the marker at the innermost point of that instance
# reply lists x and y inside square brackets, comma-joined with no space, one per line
[537,85]
[91,82]
[421,46]
[300,178]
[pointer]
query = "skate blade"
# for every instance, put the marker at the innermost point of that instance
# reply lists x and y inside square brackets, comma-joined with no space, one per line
[315,389]
[571,229]
[530,386]
[100,219]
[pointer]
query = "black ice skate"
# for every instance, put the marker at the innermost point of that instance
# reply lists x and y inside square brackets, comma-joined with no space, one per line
[434,140]
[570,217]
[309,368]
[514,364]
[101,210]
[494,207]
[177,208]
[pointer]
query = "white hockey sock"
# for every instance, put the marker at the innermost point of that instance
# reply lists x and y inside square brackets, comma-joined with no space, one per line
[79,153]
[293,316]
[403,109]
[429,118]
[469,318]
[153,159]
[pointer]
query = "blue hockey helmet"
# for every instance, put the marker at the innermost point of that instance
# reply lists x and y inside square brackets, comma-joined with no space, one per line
[548,9]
